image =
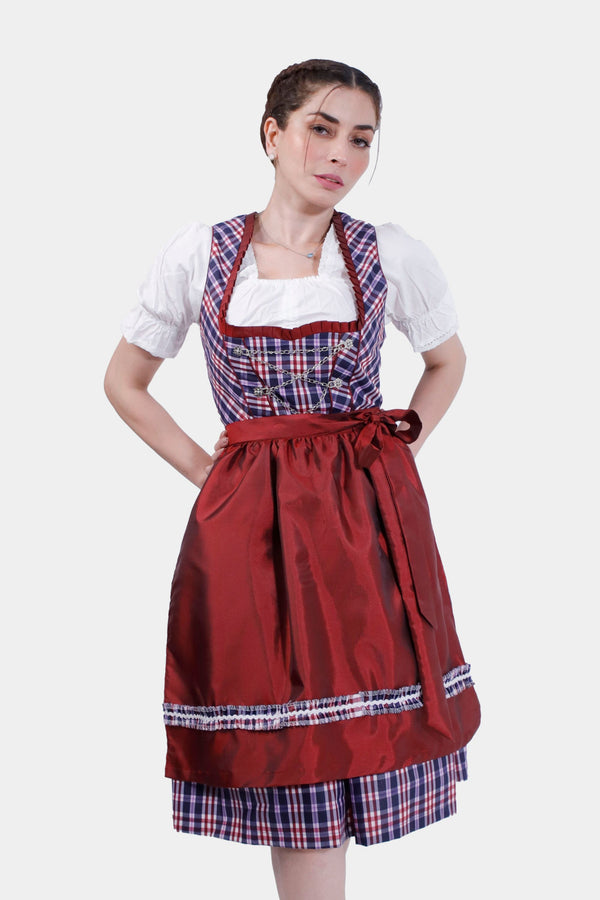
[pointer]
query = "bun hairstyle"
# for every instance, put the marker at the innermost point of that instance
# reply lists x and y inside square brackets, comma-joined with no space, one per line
[293,86]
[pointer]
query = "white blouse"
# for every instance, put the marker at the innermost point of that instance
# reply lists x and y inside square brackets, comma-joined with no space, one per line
[418,301]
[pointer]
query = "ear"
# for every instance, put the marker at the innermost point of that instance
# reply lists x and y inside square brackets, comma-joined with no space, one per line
[271,131]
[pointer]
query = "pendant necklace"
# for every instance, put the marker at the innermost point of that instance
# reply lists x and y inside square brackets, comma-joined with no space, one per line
[291,249]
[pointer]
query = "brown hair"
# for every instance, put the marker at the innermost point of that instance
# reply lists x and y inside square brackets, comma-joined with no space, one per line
[293,86]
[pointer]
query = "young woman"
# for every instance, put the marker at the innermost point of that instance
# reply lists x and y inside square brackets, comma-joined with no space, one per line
[315,686]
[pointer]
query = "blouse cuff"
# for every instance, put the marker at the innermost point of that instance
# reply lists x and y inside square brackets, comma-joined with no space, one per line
[145,330]
[431,329]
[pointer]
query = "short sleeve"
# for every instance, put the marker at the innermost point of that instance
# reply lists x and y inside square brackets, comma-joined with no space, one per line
[170,296]
[419,302]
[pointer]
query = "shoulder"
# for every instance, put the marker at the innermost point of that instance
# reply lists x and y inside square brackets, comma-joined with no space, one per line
[409,263]
[392,234]
[400,250]
[189,244]
[394,243]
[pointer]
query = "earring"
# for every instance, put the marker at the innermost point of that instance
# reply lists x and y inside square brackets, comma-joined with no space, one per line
[271,156]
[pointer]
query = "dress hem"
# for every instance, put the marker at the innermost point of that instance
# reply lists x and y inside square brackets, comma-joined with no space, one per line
[372,809]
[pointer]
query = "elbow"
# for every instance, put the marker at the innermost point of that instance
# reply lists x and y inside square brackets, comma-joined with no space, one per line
[109,386]
[114,387]
[128,375]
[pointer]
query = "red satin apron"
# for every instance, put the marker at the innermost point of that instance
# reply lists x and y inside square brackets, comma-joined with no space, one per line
[309,576]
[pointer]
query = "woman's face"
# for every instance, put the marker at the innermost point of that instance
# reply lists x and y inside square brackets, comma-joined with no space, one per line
[324,148]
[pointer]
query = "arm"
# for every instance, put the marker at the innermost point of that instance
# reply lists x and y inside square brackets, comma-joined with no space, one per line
[438,386]
[129,373]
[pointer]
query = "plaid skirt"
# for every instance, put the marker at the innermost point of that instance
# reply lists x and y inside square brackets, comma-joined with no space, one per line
[372,808]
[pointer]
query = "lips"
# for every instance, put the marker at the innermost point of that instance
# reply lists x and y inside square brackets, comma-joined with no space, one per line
[330,181]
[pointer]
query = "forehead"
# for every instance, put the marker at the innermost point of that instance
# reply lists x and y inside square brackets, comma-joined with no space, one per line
[350,105]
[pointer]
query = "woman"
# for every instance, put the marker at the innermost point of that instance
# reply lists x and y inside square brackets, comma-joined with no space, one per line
[315,687]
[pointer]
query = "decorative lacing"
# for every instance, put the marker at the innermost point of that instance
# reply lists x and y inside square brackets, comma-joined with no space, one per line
[325,354]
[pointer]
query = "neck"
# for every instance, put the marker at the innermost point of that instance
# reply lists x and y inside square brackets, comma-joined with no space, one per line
[295,223]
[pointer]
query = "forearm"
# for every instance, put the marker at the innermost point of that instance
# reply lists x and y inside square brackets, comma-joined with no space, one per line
[156,428]
[434,394]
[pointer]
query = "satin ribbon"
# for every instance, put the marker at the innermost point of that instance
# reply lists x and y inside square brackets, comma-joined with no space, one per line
[368,444]
[407,554]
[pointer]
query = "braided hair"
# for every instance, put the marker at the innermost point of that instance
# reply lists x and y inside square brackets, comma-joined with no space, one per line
[293,86]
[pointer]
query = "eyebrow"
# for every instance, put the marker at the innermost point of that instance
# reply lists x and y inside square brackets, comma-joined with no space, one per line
[335,121]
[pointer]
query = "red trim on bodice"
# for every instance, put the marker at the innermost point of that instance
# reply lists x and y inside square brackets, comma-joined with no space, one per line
[299,331]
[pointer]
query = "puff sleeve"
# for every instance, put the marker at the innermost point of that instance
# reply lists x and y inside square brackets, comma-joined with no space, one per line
[419,302]
[170,296]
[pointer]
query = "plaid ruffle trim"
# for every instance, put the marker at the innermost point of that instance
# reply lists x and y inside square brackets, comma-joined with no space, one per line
[269,717]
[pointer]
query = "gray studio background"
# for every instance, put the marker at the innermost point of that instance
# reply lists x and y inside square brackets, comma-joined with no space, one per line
[126,121]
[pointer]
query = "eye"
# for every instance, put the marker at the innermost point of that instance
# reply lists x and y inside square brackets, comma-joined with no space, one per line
[319,129]
[361,142]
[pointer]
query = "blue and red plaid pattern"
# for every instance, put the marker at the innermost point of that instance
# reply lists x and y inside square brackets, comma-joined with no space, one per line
[372,808]
[229,396]
[327,367]
[309,374]
[269,717]
[361,243]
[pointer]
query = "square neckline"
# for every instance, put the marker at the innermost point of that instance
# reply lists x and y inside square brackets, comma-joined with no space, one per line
[298,331]
[329,236]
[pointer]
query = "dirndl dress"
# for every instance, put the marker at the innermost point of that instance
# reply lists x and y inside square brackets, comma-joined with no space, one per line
[315,686]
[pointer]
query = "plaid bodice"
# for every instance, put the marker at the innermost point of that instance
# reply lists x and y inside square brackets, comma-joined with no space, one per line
[317,367]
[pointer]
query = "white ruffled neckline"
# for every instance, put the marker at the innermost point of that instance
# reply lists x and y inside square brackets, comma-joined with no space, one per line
[289,302]
[331,264]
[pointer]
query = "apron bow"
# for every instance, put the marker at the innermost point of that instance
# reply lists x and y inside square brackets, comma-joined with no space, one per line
[368,444]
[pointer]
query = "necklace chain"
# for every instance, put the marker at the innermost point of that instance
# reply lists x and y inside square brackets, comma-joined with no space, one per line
[291,249]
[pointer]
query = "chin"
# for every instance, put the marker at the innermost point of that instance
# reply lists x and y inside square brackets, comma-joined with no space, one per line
[330,200]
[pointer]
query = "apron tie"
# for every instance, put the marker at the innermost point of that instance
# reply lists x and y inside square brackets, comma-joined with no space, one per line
[409,561]
[368,445]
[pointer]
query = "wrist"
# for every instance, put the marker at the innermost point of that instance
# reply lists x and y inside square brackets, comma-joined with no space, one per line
[197,471]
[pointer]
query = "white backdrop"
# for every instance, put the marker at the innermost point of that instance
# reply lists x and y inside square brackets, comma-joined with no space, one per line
[128,120]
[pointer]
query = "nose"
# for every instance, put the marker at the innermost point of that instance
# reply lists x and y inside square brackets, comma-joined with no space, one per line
[337,154]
